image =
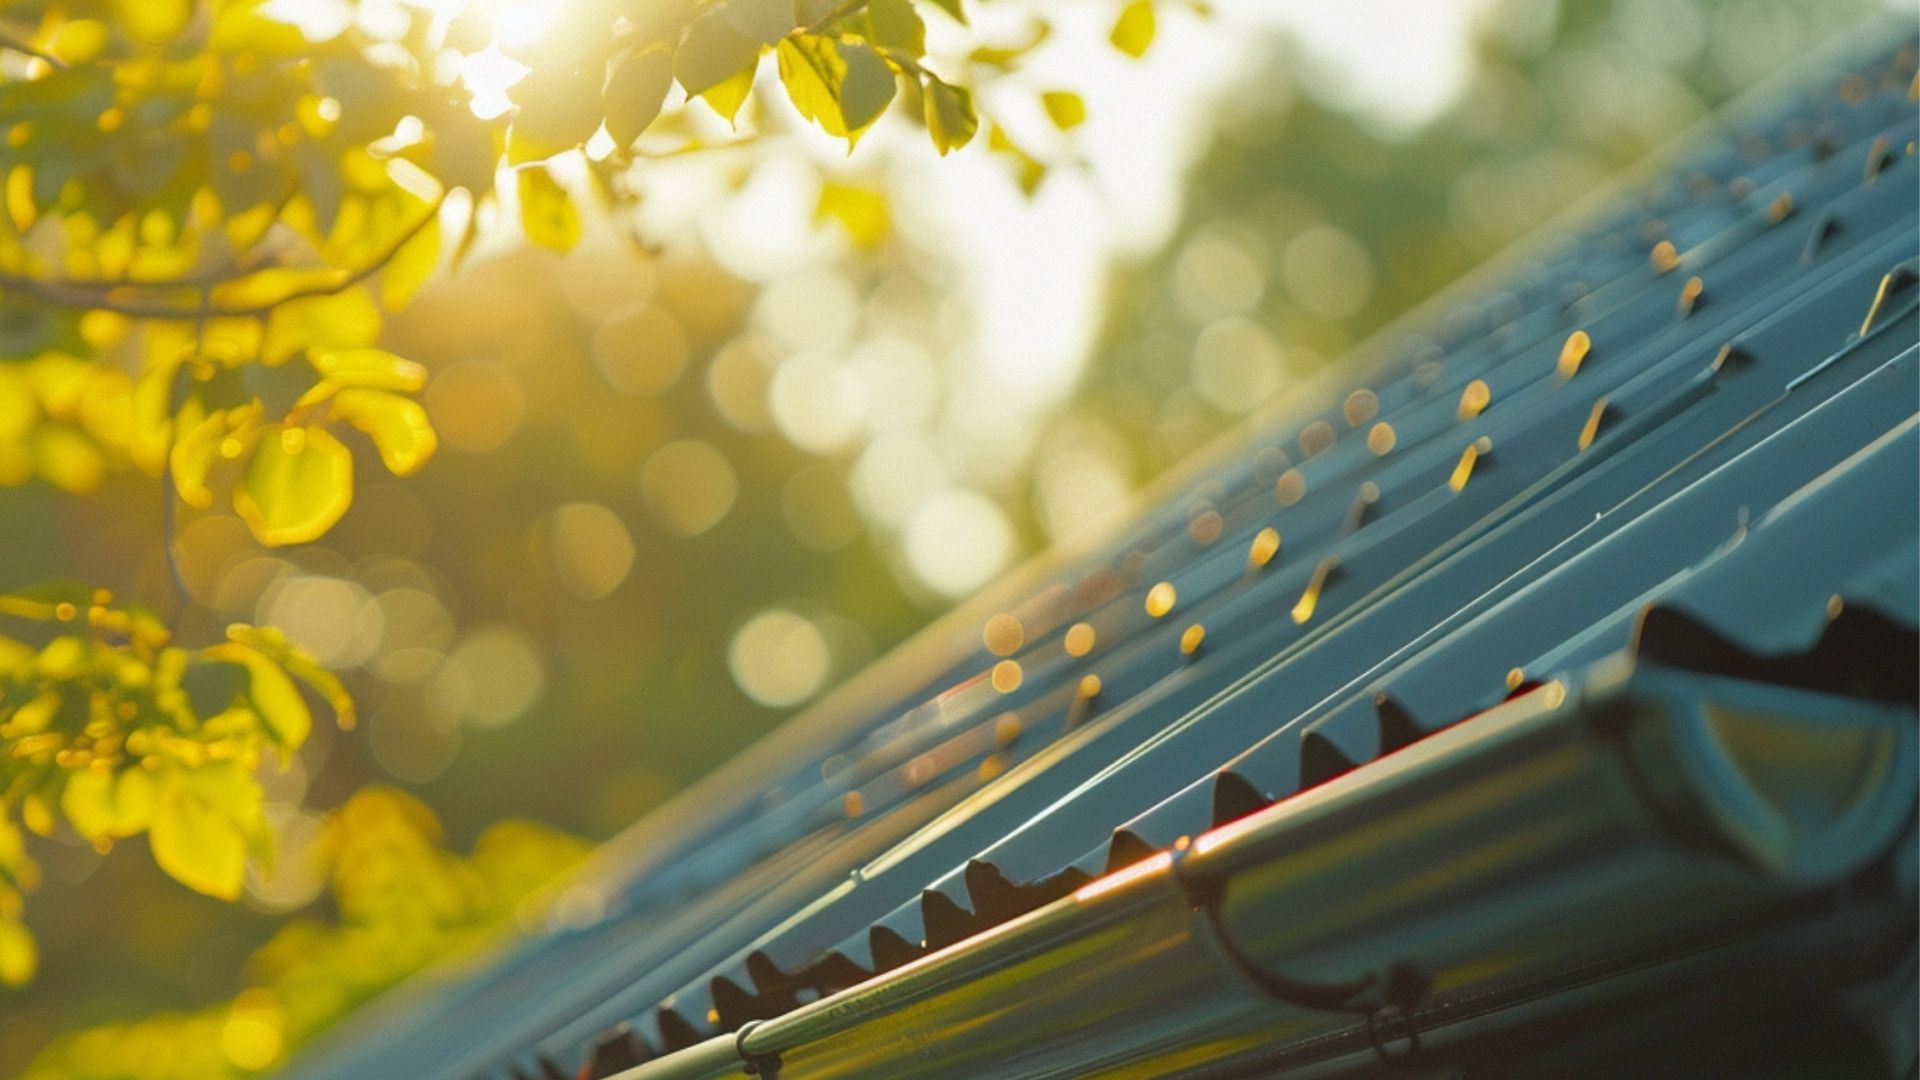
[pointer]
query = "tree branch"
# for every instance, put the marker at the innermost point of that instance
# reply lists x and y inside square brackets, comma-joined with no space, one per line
[95,296]
[831,17]
[11,43]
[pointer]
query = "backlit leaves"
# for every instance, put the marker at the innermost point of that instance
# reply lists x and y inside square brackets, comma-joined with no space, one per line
[204,214]
[112,731]
[398,900]
[291,477]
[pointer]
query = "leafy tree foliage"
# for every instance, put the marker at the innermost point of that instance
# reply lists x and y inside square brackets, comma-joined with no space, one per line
[401,901]
[206,212]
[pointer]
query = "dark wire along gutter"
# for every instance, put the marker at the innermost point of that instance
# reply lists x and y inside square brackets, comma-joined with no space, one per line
[1623,818]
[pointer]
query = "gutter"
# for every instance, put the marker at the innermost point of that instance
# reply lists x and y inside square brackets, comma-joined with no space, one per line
[1603,830]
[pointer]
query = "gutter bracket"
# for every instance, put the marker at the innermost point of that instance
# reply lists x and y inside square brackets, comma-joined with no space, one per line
[1400,992]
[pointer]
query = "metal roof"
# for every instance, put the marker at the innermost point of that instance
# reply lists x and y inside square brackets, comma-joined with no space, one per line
[1678,437]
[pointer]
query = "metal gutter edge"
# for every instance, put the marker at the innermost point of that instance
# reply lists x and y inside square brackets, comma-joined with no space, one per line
[1647,810]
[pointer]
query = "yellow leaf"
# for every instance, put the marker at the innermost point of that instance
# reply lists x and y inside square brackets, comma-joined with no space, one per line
[14,656]
[346,320]
[547,213]
[225,434]
[276,701]
[398,426]
[410,266]
[199,832]
[1030,171]
[811,70]
[37,814]
[1133,31]
[298,484]
[861,211]
[34,715]
[372,369]
[153,21]
[18,956]
[272,642]
[78,41]
[727,96]
[950,116]
[1064,108]
[106,804]
[17,408]
[67,459]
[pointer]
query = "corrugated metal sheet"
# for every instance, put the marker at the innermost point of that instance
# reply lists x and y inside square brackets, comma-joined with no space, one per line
[1685,432]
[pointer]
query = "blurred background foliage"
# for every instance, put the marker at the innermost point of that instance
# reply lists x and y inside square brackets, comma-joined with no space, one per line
[682,489]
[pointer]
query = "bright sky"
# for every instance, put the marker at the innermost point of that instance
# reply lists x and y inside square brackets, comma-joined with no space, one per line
[1036,266]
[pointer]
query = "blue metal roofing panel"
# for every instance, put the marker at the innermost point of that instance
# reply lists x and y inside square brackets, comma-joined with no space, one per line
[1590,459]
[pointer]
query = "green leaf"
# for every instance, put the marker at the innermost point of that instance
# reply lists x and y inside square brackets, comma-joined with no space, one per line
[547,213]
[397,425]
[1065,108]
[896,25]
[212,686]
[298,484]
[277,387]
[866,89]
[950,117]
[1133,31]
[713,51]
[635,91]
[765,21]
